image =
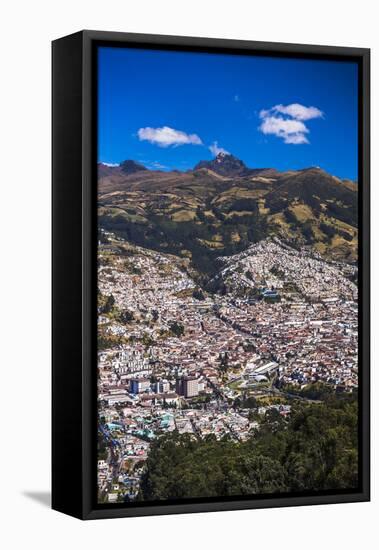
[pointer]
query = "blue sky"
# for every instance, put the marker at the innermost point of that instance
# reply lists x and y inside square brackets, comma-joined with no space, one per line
[171,109]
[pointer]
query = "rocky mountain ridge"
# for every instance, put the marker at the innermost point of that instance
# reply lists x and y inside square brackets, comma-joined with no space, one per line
[221,207]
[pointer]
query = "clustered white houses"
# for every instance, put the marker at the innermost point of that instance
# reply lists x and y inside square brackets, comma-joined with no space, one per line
[178,362]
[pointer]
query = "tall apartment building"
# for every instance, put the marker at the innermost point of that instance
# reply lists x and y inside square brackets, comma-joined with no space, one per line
[187,386]
[162,386]
[139,385]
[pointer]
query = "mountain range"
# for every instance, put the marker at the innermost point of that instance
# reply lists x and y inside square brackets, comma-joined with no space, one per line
[221,206]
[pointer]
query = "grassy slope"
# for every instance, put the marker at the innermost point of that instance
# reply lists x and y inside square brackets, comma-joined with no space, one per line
[204,214]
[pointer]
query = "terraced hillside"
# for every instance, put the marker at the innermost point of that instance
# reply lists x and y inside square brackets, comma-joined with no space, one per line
[221,207]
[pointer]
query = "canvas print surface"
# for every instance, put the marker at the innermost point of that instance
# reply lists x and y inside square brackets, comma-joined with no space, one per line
[227,275]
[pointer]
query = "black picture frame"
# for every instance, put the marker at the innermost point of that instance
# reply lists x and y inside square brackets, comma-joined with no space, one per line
[74,272]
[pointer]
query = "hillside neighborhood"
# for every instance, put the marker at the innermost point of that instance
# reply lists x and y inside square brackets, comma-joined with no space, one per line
[175,357]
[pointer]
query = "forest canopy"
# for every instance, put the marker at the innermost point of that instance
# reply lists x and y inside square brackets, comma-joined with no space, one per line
[313,451]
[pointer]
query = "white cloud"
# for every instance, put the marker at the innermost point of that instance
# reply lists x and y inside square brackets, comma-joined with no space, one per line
[296,139]
[286,122]
[291,131]
[298,112]
[166,136]
[216,150]
[110,164]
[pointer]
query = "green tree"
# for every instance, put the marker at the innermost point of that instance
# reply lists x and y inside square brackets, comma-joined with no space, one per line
[317,449]
[177,329]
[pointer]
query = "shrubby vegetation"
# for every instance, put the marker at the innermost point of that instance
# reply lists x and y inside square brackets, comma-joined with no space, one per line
[315,450]
[315,391]
[198,294]
[105,304]
[176,329]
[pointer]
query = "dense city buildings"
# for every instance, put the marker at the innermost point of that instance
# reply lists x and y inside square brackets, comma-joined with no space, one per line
[172,358]
[227,276]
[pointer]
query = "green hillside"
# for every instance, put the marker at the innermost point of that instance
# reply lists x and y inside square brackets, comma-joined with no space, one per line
[315,450]
[220,208]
